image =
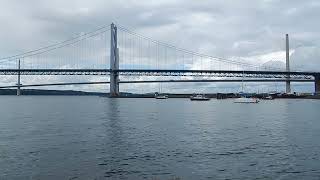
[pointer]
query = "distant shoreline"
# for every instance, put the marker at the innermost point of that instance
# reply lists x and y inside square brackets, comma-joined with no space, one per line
[40,92]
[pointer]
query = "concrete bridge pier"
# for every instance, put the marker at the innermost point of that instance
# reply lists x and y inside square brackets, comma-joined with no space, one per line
[114,63]
[317,84]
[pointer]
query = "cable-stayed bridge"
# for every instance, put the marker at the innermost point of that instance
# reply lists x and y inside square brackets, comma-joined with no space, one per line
[123,55]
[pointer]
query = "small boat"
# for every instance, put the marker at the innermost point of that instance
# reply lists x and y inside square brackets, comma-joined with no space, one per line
[268,98]
[246,100]
[161,96]
[199,97]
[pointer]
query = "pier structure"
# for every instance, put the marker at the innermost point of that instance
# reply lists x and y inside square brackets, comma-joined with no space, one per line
[114,62]
[288,83]
[19,79]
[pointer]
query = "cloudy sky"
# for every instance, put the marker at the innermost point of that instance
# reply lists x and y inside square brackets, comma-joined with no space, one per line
[252,31]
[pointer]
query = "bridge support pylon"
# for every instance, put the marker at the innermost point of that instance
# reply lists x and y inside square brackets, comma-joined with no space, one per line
[317,84]
[19,81]
[114,63]
[288,85]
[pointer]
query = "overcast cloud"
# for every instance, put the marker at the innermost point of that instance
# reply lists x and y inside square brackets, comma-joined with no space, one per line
[246,30]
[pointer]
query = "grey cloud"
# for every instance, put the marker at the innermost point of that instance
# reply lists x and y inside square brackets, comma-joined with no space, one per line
[306,59]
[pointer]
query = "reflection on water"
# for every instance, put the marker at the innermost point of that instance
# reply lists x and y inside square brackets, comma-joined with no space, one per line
[101,138]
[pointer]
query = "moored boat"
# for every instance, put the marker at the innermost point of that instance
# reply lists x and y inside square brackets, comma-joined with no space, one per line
[268,98]
[199,97]
[161,96]
[246,100]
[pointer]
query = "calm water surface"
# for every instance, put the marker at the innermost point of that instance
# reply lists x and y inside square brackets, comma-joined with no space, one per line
[99,138]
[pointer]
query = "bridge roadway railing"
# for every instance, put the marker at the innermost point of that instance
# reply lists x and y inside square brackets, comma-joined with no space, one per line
[155,72]
[55,71]
[219,73]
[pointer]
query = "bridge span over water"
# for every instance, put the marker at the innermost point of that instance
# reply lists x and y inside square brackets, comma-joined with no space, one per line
[152,59]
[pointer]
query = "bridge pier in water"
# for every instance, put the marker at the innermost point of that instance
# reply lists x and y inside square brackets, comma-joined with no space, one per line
[114,63]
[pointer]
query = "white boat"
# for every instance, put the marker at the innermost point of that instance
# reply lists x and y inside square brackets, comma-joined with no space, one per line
[161,96]
[199,97]
[246,100]
[243,98]
[268,98]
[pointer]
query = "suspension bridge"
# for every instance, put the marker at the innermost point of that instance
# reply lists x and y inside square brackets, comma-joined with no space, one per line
[115,51]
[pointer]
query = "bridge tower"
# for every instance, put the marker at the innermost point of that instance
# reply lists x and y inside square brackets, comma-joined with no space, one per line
[288,86]
[19,83]
[114,63]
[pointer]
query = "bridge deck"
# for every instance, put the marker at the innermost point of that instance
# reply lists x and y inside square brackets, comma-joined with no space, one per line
[157,72]
[159,81]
